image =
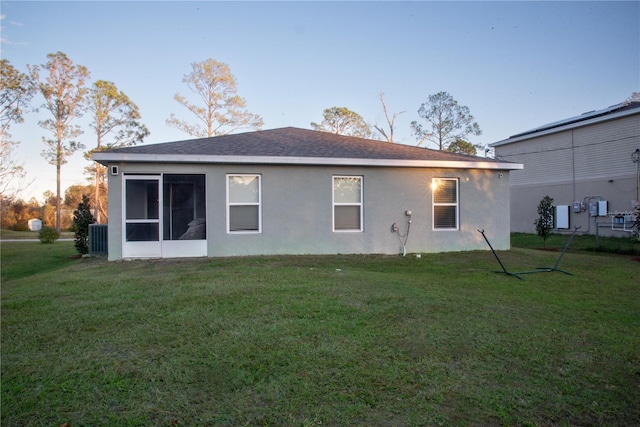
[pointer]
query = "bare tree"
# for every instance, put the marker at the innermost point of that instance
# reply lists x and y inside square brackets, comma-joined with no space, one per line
[390,121]
[16,90]
[220,111]
[64,93]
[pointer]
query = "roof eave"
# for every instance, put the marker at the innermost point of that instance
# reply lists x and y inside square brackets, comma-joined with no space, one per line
[105,158]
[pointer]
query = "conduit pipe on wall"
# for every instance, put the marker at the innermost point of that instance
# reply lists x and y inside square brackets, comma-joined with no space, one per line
[403,237]
[595,217]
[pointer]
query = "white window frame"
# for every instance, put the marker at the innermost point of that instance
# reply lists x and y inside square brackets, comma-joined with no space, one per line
[434,183]
[258,204]
[334,204]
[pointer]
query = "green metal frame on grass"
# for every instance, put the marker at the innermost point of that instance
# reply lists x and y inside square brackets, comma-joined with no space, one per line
[538,269]
[504,270]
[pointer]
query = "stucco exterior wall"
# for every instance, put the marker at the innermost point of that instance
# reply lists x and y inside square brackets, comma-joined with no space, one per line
[582,164]
[297,210]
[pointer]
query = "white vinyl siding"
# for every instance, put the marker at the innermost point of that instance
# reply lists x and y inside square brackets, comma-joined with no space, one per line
[586,152]
[347,203]
[598,148]
[244,198]
[548,160]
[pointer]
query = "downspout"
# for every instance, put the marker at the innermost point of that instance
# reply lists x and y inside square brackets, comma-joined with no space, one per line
[595,218]
[573,167]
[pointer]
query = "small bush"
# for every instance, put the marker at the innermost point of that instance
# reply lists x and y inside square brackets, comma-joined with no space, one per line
[82,218]
[20,226]
[48,235]
[544,224]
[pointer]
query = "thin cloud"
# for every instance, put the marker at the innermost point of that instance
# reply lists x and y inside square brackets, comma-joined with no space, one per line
[4,40]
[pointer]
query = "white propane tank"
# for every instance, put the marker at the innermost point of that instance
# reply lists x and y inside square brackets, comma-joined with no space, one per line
[34,224]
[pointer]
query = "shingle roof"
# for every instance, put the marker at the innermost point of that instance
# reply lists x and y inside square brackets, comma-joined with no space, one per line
[286,144]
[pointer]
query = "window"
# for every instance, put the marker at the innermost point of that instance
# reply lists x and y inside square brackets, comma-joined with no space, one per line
[347,203]
[445,203]
[243,203]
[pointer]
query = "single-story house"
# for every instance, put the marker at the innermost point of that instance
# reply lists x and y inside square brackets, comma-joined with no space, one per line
[297,191]
[588,164]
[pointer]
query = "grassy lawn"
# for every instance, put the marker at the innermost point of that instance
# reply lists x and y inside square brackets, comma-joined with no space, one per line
[25,235]
[11,234]
[319,340]
[581,242]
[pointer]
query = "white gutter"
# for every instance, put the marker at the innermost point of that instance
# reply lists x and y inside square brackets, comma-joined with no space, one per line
[105,157]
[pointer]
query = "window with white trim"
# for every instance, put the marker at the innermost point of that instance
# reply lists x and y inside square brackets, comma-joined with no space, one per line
[445,203]
[244,198]
[347,203]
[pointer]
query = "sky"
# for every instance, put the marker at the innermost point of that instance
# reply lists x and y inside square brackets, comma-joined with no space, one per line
[516,65]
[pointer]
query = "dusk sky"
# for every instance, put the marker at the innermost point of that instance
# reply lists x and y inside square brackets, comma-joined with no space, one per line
[516,65]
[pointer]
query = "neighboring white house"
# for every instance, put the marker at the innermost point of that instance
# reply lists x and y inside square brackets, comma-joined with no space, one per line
[588,164]
[297,191]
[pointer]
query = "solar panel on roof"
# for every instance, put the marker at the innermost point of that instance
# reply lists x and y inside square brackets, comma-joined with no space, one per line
[582,117]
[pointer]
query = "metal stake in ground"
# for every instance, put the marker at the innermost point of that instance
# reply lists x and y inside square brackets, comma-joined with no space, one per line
[555,266]
[504,270]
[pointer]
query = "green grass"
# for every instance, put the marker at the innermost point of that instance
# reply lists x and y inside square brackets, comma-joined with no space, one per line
[22,259]
[12,234]
[26,235]
[311,340]
[581,242]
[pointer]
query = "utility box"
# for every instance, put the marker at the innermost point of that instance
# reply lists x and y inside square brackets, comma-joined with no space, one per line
[602,208]
[598,208]
[578,207]
[562,216]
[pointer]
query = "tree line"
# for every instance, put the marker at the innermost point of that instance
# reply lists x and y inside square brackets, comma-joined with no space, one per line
[17,212]
[115,122]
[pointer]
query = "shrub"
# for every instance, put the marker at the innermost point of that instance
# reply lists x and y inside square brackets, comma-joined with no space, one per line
[20,226]
[82,218]
[48,235]
[544,224]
